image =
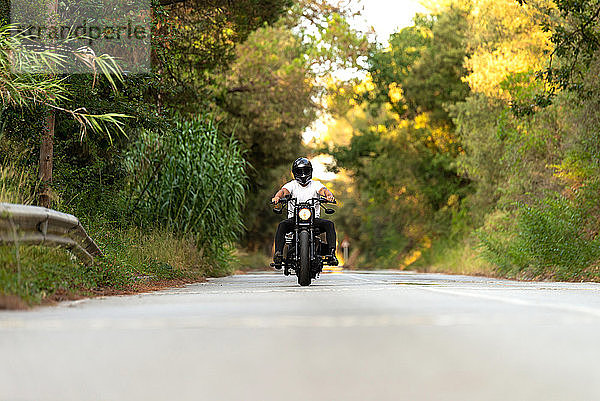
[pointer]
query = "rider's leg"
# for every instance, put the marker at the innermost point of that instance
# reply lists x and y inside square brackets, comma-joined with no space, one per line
[329,228]
[284,227]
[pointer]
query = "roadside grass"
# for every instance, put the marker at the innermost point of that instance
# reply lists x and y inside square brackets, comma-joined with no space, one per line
[251,261]
[34,273]
[455,257]
[17,185]
[134,261]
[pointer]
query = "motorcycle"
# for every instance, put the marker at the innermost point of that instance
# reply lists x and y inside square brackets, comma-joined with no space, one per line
[304,252]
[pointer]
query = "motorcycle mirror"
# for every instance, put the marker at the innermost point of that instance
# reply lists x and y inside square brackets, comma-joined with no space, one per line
[329,211]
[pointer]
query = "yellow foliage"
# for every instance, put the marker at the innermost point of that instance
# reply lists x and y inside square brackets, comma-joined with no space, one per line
[453,200]
[338,132]
[571,173]
[426,242]
[438,6]
[422,121]
[395,92]
[366,85]
[506,38]
[411,258]
[441,136]
[491,68]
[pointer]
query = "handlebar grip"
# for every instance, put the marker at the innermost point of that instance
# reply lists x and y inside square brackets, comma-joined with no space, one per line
[324,200]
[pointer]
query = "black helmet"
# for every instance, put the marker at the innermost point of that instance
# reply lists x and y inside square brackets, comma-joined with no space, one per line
[302,170]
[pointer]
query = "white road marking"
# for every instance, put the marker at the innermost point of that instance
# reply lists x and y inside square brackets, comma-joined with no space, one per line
[521,302]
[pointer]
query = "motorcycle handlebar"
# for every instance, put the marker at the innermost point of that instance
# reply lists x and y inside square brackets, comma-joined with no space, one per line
[324,200]
[321,200]
[285,199]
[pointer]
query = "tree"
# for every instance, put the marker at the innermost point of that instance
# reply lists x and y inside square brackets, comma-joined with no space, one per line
[422,70]
[504,151]
[28,82]
[266,99]
[390,67]
[575,39]
[403,152]
[273,92]
[196,37]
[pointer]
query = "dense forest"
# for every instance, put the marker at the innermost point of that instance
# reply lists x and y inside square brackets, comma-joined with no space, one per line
[466,143]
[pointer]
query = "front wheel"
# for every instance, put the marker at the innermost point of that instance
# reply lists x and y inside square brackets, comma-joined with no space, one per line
[304,273]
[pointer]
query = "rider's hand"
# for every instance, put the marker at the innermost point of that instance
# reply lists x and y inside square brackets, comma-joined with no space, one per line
[330,198]
[275,200]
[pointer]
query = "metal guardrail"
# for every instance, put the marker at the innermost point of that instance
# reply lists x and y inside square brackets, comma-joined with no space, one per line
[35,225]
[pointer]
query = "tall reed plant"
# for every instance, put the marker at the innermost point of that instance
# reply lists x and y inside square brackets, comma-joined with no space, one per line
[191,181]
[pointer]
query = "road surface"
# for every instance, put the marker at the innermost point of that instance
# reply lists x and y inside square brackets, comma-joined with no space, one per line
[352,336]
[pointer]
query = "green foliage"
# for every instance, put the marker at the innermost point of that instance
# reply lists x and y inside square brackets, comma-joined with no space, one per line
[195,38]
[392,66]
[259,220]
[134,258]
[251,261]
[425,61]
[267,97]
[436,78]
[407,187]
[88,171]
[548,241]
[329,41]
[188,183]
[37,273]
[532,161]
[192,182]
[576,41]
[272,94]
[456,255]
[404,160]
[266,101]
[29,79]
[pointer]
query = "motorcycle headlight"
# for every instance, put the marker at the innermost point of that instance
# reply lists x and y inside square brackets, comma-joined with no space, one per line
[304,214]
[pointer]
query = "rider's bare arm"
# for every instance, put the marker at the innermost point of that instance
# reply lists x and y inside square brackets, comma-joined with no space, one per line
[280,194]
[327,194]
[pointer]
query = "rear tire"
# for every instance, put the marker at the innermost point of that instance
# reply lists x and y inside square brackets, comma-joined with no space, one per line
[304,274]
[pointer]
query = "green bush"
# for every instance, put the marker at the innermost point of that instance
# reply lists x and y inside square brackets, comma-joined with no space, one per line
[547,240]
[191,182]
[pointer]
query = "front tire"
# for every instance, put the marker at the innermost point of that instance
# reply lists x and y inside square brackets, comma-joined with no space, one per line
[304,273]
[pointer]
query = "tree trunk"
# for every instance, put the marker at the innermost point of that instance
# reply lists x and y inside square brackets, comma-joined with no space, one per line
[46,160]
[47,145]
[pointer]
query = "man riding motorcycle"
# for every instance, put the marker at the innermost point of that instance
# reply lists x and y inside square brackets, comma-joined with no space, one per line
[301,189]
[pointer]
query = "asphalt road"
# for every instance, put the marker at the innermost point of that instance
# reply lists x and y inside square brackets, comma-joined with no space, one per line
[351,336]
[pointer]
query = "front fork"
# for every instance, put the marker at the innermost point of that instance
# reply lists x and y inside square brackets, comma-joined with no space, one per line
[312,251]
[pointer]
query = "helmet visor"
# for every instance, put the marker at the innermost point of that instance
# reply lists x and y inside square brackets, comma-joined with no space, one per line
[303,170]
